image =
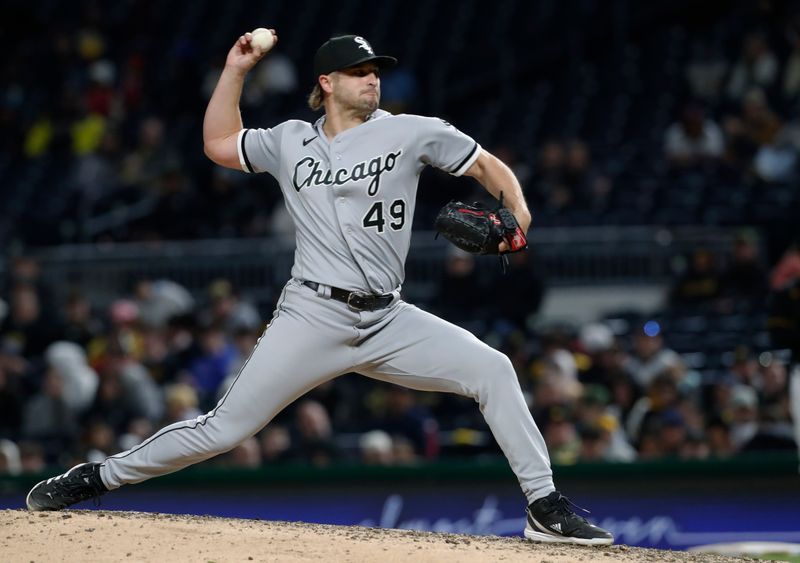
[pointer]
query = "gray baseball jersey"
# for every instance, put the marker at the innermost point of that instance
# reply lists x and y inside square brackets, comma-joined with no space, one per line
[352,200]
[352,197]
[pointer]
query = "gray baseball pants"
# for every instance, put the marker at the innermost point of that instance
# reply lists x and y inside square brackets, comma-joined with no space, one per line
[312,339]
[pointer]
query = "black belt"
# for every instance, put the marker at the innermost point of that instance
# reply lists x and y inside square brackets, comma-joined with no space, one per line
[357,300]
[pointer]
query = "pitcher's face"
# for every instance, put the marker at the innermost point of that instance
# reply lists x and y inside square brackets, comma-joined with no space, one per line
[357,88]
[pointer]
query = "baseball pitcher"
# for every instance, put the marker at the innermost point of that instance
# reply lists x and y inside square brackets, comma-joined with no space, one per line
[349,182]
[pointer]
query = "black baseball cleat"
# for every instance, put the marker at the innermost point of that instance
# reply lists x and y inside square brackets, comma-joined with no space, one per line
[80,483]
[551,519]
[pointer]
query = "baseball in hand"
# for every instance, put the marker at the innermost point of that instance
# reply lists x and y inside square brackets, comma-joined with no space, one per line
[262,39]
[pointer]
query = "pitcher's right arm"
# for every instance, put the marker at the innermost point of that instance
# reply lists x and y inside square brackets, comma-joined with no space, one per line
[223,121]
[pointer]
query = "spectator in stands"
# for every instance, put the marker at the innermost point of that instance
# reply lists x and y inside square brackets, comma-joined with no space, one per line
[756,67]
[510,158]
[700,285]
[624,395]
[10,461]
[773,384]
[244,340]
[124,332]
[717,395]
[212,366]
[551,162]
[156,354]
[744,367]
[247,455]
[791,71]
[228,309]
[174,208]
[593,415]
[275,79]
[706,71]
[604,355]
[519,307]
[561,434]
[547,182]
[650,358]
[32,457]
[459,291]
[160,299]
[99,441]
[695,446]
[694,140]
[48,419]
[275,443]
[140,391]
[744,281]
[787,270]
[743,415]
[78,379]
[81,326]
[111,405]
[646,415]
[312,436]
[225,205]
[718,434]
[137,431]
[182,403]
[594,444]
[94,176]
[774,431]
[672,433]
[757,125]
[26,270]
[182,347]
[590,189]
[142,167]
[26,330]
[375,448]
[403,416]
[776,161]
[556,352]
[552,388]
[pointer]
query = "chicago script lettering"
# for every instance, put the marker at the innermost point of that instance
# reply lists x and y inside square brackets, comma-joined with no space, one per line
[309,172]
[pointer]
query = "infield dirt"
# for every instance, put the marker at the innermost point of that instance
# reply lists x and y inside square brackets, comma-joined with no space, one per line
[94,535]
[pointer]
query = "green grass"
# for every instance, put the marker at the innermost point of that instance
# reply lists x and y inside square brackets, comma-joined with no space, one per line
[780,557]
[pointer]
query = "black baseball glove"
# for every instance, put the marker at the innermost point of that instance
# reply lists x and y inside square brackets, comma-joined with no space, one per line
[477,229]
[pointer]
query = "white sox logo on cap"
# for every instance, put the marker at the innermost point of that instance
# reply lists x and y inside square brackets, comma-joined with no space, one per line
[362,44]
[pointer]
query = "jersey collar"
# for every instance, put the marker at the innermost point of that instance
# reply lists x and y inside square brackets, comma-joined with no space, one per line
[377,114]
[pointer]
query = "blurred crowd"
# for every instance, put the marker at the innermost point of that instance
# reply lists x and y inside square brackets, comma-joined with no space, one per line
[106,146]
[82,382]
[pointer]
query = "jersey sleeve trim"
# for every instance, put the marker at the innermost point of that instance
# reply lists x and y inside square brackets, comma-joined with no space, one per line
[243,160]
[468,161]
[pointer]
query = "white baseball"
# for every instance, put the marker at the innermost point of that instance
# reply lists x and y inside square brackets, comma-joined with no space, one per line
[262,38]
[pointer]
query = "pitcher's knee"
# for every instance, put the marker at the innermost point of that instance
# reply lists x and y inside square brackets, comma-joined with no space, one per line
[220,438]
[498,371]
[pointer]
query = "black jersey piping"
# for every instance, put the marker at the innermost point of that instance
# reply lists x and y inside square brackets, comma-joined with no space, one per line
[457,168]
[244,153]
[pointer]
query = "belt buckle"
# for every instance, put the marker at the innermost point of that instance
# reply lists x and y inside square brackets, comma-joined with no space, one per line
[359,296]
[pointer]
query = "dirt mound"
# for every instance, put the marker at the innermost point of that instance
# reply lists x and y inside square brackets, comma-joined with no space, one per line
[88,535]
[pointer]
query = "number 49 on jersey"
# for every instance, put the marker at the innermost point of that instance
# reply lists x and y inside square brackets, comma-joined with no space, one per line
[395,215]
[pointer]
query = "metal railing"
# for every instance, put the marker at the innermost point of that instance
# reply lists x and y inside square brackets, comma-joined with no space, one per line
[564,256]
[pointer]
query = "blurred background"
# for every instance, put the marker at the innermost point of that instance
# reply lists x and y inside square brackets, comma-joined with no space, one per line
[651,323]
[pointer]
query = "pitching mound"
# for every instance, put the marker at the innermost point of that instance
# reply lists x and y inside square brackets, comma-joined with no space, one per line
[86,535]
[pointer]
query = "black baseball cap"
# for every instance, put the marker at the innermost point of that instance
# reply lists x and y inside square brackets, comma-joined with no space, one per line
[346,51]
